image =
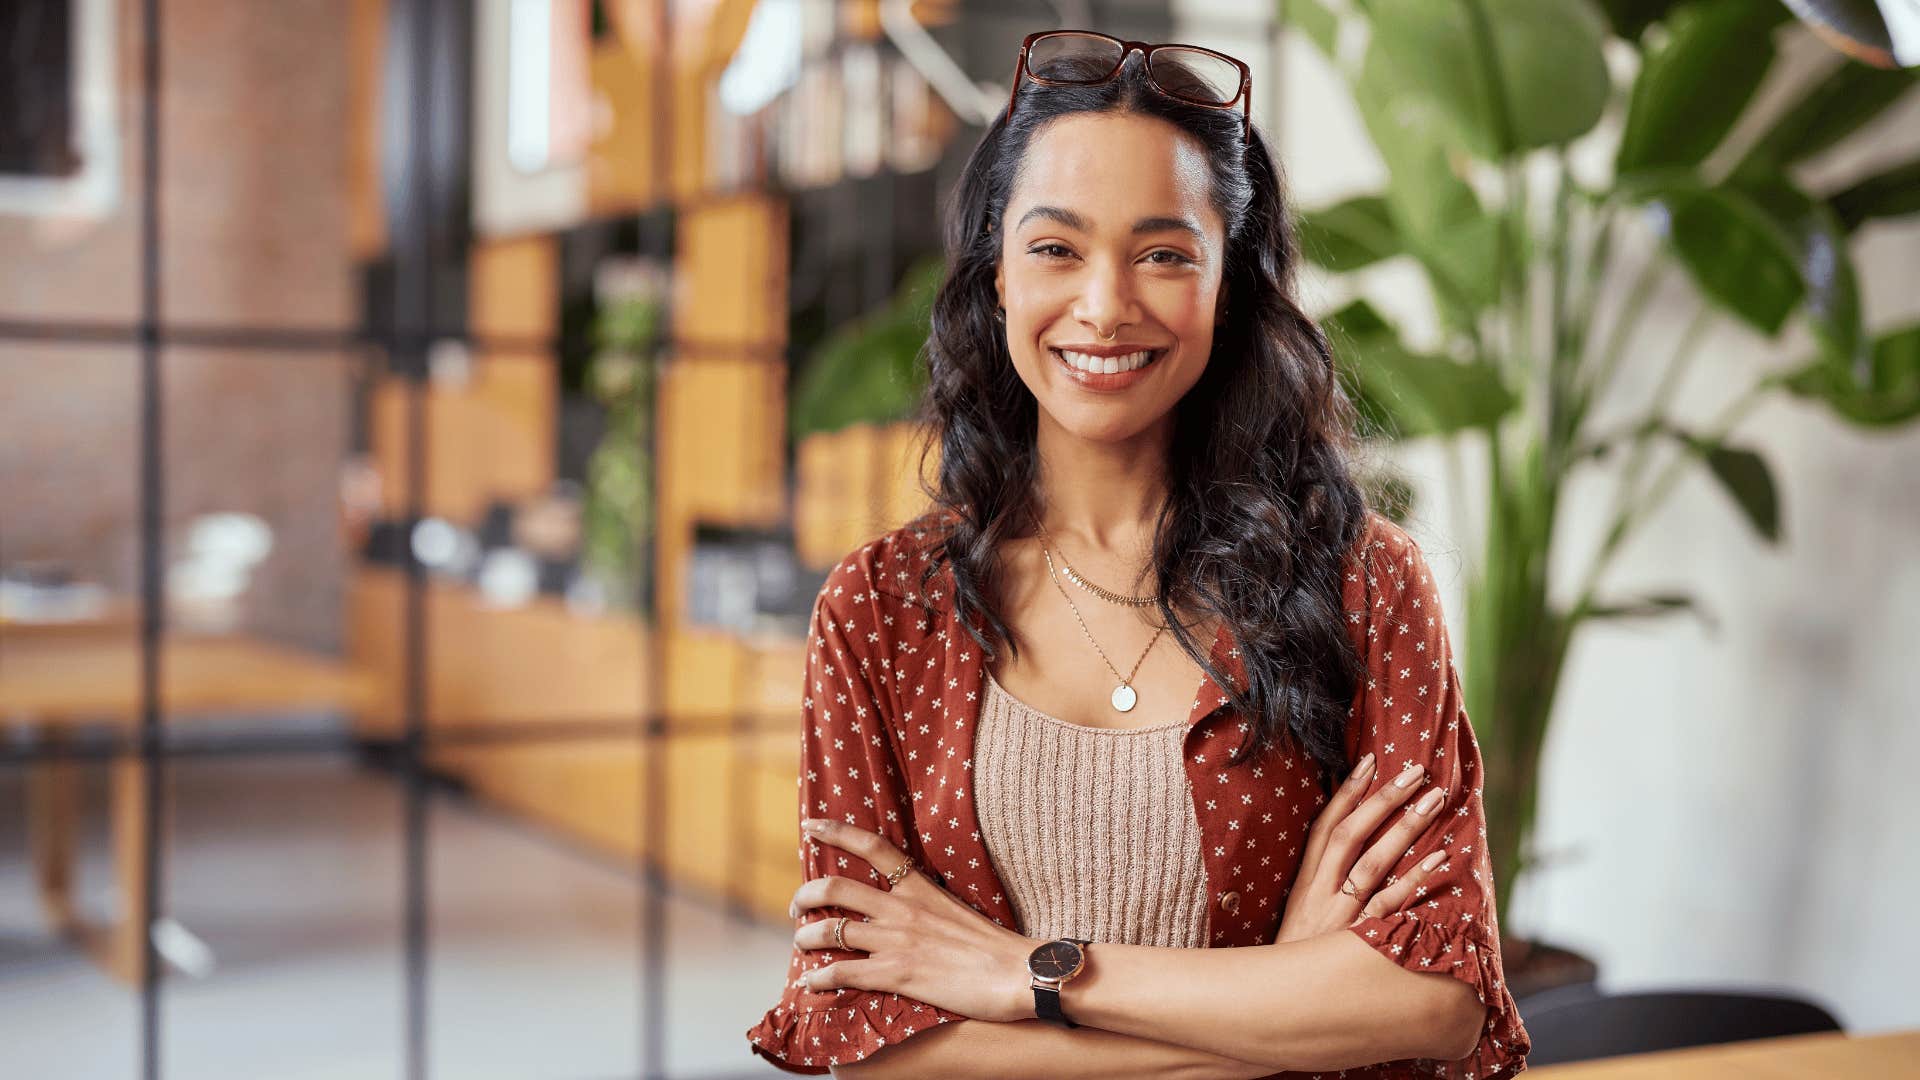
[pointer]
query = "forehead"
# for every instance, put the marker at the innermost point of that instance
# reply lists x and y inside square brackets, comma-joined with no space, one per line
[1114,168]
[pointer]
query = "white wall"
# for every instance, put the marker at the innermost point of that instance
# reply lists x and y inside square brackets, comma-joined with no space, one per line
[1734,808]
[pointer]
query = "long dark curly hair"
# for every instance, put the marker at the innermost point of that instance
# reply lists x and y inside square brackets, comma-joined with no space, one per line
[1262,507]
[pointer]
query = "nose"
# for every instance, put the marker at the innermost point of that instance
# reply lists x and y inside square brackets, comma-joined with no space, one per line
[1106,303]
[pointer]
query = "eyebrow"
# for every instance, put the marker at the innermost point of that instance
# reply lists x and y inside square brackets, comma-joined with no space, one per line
[1145,225]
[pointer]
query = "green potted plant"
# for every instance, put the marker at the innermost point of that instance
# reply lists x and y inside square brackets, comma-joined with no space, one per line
[617,509]
[1472,105]
[868,370]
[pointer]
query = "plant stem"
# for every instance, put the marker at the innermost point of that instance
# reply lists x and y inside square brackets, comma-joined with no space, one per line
[1559,375]
[1580,321]
[1624,322]
[1496,478]
[1684,351]
[1629,512]
[1736,410]
[1596,260]
[1598,444]
[1516,287]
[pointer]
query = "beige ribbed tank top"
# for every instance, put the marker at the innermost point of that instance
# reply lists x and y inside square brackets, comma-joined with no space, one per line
[1091,830]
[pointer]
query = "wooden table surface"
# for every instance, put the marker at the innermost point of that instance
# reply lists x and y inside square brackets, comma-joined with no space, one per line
[1828,1056]
[118,615]
[66,680]
[80,676]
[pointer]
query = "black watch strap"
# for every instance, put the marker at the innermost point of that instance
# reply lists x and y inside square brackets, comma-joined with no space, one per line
[1046,999]
[1046,1006]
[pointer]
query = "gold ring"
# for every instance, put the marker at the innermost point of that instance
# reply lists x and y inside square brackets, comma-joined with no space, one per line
[1347,887]
[839,929]
[900,873]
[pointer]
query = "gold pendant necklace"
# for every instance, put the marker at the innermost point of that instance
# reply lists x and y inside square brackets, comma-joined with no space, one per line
[1124,696]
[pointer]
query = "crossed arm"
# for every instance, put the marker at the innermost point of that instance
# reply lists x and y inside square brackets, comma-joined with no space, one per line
[1312,1001]
[1328,1002]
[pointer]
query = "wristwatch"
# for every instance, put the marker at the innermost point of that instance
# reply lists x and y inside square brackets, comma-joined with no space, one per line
[1052,964]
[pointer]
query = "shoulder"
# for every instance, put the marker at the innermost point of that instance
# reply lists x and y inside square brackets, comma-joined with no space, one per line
[1384,544]
[1385,568]
[886,575]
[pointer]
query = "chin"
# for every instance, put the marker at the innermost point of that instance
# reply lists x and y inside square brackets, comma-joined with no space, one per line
[1105,422]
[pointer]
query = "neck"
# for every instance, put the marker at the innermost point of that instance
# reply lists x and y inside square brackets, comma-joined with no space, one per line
[1101,499]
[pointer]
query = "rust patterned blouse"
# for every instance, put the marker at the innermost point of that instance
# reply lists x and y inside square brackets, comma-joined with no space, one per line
[887,745]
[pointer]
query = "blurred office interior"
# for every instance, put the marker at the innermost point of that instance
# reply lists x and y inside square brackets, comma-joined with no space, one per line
[425,425]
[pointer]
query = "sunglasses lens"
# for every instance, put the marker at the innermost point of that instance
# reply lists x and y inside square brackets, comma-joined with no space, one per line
[1073,58]
[1197,76]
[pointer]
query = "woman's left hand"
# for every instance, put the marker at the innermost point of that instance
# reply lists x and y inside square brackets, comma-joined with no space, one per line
[919,939]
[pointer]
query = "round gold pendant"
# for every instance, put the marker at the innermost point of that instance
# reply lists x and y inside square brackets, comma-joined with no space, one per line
[1124,697]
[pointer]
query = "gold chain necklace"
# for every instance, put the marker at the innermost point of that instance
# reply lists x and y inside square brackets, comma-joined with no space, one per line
[1104,594]
[1123,694]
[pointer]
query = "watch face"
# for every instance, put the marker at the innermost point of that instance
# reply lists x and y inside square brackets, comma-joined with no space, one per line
[1055,960]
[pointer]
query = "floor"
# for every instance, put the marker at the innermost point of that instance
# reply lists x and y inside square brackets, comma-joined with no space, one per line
[289,868]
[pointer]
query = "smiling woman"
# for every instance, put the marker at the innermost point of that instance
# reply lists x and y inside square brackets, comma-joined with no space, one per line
[1253,852]
[1075,277]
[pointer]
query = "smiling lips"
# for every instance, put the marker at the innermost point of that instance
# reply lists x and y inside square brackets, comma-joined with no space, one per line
[1106,367]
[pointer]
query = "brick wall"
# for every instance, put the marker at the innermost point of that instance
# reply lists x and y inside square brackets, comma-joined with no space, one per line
[253,232]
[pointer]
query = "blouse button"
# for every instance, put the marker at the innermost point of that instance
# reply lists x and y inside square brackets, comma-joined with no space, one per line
[1230,901]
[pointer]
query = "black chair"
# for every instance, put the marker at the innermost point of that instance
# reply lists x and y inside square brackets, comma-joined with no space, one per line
[1579,1022]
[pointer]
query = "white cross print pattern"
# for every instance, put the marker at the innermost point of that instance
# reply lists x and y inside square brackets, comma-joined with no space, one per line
[912,680]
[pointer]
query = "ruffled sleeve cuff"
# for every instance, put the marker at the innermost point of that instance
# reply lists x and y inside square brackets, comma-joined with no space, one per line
[1463,950]
[847,1026]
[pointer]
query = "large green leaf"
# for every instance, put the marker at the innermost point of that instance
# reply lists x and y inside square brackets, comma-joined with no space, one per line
[1889,393]
[868,371]
[1425,192]
[1552,82]
[1825,262]
[1467,255]
[1845,101]
[1349,235]
[1833,289]
[1744,475]
[855,379]
[1696,83]
[1732,248]
[1407,394]
[1893,193]
[1438,215]
[1344,329]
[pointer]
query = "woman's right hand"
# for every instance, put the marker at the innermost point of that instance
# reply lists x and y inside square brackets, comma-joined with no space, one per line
[1316,904]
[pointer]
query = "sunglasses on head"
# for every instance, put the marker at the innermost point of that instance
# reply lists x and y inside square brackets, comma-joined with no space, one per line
[1188,73]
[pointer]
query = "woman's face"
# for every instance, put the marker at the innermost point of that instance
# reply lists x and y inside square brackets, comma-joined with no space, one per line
[1111,255]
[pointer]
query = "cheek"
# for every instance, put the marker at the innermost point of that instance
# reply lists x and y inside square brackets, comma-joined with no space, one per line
[1187,311]
[1033,297]
[1193,314]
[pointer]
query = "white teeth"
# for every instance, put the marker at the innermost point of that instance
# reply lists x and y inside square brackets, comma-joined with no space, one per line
[1110,365]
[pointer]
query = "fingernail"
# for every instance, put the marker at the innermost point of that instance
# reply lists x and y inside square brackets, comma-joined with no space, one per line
[811,824]
[1433,860]
[1364,768]
[1408,777]
[793,912]
[1430,800]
